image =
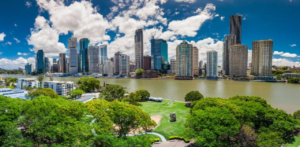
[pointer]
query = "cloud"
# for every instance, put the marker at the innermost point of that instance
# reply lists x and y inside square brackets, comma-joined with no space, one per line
[244,18]
[17,63]
[186,1]
[293,45]
[1,53]
[22,54]
[283,54]
[285,62]
[17,40]
[2,35]
[28,4]
[222,18]
[15,25]
[8,43]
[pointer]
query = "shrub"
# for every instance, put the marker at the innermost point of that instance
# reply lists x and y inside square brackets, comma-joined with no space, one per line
[179,138]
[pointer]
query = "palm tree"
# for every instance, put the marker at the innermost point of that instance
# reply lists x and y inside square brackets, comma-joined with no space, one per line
[40,78]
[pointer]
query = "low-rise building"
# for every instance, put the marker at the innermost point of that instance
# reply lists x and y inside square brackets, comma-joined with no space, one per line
[13,93]
[60,87]
[29,82]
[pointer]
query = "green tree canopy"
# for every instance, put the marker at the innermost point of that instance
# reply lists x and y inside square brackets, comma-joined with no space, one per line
[193,96]
[133,99]
[9,80]
[144,94]
[139,72]
[88,84]
[297,114]
[40,78]
[46,92]
[294,80]
[112,92]
[76,93]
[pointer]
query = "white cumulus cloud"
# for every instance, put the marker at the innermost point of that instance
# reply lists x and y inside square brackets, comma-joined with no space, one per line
[17,40]
[2,35]
[293,45]
[22,54]
[15,64]
[187,1]
[283,54]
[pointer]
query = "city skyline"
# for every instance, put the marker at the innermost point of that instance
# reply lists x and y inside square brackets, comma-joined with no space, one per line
[18,38]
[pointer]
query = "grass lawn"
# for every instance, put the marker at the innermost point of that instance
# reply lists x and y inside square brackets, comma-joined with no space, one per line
[167,128]
[296,143]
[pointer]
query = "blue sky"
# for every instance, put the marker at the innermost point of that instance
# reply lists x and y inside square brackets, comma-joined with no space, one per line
[29,25]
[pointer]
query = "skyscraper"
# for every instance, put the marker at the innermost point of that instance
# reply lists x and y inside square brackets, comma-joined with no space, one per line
[40,62]
[230,40]
[212,64]
[184,59]
[139,48]
[195,61]
[108,68]
[62,63]
[103,54]
[147,63]
[28,68]
[73,59]
[236,27]
[262,54]
[238,58]
[117,63]
[201,64]
[124,65]
[47,64]
[159,55]
[173,66]
[83,55]
[94,58]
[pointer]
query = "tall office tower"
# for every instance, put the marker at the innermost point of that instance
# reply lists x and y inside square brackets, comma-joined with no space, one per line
[73,59]
[108,68]
[83,55]
[262,54]
[184,59]
[159,55]
[62,63]
[47,64]
[117,63]
[238,58]
[55,67]
[201,64]
[28,68]
[230,40]
[67,65]
[212,64]
[195,61]
[40,62]
[124,65]
[139,48]
[147,63]
[54,60]
[103,54]
[236,27]
[111,59]
[94,58]
[173,66]
[131,67]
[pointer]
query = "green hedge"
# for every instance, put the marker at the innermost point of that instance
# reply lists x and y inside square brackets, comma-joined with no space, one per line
[155,140]
[179,138]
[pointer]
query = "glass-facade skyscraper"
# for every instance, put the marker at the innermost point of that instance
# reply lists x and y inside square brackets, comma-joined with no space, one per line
[159,55]
[103,54]
[212,64]
[83,55]
[40,62]
[47,64]
[28,68]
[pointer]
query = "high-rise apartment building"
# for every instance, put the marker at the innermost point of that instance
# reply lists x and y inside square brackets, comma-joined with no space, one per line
[28,68]
[124,65]
[139,48]
[103,54]
[62,63]
[94,58]
[147,63]
[83,55]
[73,56]
[212,64]
[195,61]
[159,55]
[173,66]
[230,40]
[117,63]
[236,27]
[108,68]
[238,59]
[40,62]
[262,55]
[184,59]
[201,64]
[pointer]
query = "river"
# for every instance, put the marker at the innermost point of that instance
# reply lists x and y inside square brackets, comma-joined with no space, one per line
[279,95]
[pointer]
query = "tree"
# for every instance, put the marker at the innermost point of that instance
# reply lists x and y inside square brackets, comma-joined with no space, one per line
[139,72]
[76,93]
[112,92]
[11,87]
[144,94]
[193,96]
[28,88]
[294,80]
[51,78]
[40,78]
[297,114]
[46,92]
[88,84]
[9,80]
[133,99]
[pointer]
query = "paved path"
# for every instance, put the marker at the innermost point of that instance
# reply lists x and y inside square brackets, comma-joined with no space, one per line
[162,138]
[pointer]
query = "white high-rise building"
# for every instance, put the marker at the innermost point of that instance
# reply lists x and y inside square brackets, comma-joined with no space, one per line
[60,87]
[212,64]
[108,68]
[262,55]
[124,64]
[94,58]
[195,61]
[73,56]
[173,66]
